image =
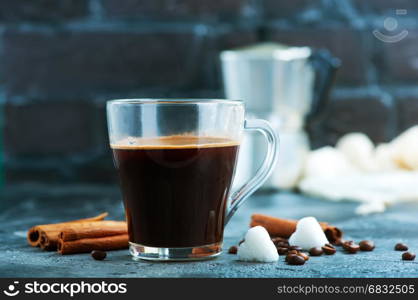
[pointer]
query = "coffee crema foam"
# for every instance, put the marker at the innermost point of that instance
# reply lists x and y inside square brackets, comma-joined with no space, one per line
[173,142]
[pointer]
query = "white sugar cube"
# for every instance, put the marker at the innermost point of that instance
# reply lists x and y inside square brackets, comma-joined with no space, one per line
[308,234]
[257,246]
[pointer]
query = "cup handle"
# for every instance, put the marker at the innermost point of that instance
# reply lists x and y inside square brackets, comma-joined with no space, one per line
[270,160]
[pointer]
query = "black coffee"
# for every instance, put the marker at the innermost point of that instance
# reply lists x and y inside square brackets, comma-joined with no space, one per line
[175,191]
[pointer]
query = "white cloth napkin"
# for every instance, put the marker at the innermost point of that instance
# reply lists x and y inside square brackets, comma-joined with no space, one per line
[356,170]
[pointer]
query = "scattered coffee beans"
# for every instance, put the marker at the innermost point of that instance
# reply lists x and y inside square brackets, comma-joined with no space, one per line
[294,256]
[282,250]
[408,256]
[233,250]
[328,249]
[401,247]
[98,254]
[316,251]
[366,245]
[295,259]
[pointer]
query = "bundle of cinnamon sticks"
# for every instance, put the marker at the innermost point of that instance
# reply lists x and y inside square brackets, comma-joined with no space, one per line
[80,236]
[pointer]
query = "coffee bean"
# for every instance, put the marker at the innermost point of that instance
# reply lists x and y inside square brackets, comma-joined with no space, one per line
[328,249]
[282,250]
[305,257]
[352,248]
[408,256]
[98,254]
[290,253]
[401,247]
[366,245]
[347,244]
[297,248]
[316,251]
[233,250]
[294,259]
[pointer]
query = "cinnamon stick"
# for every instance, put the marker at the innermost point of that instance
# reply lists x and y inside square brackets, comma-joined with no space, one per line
[46,235]
[278,227]
[113,242]
[84,230]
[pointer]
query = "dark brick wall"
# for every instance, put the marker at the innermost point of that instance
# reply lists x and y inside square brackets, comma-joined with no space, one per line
[42,10]
[61,60]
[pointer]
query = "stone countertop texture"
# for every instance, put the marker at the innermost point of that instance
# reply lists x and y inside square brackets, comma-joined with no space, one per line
[26,205]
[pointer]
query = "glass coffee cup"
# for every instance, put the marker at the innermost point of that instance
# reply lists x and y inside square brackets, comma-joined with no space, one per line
[176,160]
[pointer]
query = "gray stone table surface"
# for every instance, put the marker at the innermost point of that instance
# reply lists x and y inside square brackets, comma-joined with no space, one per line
[27,205]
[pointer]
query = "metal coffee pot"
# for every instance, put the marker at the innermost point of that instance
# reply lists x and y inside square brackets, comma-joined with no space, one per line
[285,85]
